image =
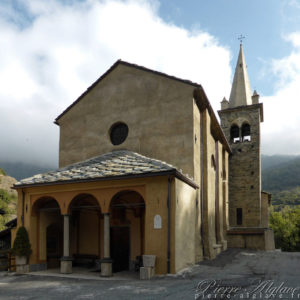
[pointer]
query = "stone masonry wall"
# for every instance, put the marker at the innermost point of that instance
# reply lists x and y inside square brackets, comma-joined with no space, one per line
[244,166]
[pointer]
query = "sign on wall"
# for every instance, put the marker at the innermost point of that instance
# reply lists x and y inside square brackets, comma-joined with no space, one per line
[157,222]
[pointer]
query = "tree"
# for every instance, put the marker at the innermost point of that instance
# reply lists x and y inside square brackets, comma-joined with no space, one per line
[22,245]
[286,226]
[7,205]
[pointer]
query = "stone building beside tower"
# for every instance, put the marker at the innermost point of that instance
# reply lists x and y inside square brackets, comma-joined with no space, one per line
[146,169]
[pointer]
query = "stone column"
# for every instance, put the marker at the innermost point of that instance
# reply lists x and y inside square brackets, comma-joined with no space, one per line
[106,262]
[66,260]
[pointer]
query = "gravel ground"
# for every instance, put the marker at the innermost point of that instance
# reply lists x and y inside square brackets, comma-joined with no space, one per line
[235,274]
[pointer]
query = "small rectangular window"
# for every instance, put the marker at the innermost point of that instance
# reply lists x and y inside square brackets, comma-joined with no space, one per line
[239,216]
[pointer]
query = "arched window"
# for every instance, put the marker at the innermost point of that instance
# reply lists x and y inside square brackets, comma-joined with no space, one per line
[246,134]
[239,216]
[223,164]
[213,162]
[234,134]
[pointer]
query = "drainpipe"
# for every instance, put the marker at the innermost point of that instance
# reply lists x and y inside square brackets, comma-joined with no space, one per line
[217,204]
[23,206]
[169,226]
[202,178]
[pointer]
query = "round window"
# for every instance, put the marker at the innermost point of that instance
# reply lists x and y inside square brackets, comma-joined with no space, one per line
[118,133]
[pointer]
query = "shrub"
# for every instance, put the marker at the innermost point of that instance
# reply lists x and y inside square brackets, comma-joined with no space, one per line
[22,245]
[286,226]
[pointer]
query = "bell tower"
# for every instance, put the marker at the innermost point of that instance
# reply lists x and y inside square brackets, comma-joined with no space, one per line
[240,121]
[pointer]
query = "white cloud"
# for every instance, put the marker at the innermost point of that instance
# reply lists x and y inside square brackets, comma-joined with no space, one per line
[281,130]
[47,64]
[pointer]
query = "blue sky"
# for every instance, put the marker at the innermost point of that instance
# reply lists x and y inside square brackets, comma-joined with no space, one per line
[264,23]
[51,51]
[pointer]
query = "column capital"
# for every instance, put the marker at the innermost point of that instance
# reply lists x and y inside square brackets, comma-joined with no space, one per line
[106,260]
[66,215]
[106,214]
[66,258]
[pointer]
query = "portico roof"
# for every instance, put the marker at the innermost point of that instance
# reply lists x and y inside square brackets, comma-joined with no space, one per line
[119,164]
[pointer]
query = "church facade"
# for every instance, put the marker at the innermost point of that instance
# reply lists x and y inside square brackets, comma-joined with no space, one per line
[144,169]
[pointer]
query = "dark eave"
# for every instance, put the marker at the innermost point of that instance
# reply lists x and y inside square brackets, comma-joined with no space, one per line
[248,107]
[12,223]
[118,62]
[203,103]
[5,232]
[173,172]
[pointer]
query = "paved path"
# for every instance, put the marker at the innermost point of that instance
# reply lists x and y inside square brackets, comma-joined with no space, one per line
[273,274]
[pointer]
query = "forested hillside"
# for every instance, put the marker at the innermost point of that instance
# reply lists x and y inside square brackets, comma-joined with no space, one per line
[285,176]
[283,181]
[281,177]
[8,199]
[271,161]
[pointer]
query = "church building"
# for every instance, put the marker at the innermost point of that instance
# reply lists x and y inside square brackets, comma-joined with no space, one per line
[145,168]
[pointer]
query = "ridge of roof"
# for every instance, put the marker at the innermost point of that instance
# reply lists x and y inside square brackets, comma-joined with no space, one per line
[119,61]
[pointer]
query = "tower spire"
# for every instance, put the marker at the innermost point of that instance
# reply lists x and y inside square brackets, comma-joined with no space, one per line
[240,91]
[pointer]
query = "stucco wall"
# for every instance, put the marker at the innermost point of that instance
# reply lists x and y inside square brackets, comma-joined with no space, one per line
[89,233]
[185,221]
[157,110]
[46,219]
[209,188]
[197,178]
[156,240]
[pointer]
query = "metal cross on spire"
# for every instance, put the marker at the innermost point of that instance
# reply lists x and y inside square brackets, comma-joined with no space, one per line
[240,38]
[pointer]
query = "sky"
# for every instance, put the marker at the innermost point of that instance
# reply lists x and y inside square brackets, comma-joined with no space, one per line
[52,51]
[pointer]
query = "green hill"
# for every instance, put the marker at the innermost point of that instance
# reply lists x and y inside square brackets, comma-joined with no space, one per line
[271,161]
[282,179]
[284,176]
[8,199]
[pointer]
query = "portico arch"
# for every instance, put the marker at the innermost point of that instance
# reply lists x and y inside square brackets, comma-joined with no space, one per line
[127,226]
[86,222]
[45,203]
[47,228]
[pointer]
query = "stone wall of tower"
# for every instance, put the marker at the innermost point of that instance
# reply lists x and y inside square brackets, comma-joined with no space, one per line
[244,166]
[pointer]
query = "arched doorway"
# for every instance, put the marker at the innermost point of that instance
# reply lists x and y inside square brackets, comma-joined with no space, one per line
[49,231]
[127,210]
[85,231]
[54,242]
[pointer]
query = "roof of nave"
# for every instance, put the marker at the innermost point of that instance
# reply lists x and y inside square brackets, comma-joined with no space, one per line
[119,164]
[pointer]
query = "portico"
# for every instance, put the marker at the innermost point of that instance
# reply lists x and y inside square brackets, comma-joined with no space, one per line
[108,220]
